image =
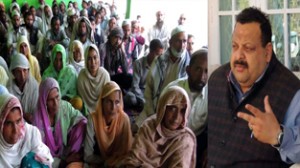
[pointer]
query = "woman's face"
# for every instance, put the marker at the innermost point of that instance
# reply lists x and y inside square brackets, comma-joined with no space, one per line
[53,101]
[93,62]
[174,116]
[58,62]
[111,105]
[12,126]
[77,54]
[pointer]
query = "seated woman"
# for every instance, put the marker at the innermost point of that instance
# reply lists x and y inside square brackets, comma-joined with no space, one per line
[109,137]
[91,79]
[62,127]
[164,140]
[76,55]
[17,138]
[64,74]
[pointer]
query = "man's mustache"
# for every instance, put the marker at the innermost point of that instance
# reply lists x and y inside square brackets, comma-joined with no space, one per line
[241,62]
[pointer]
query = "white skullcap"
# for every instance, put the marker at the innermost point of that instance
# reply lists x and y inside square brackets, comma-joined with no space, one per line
[177,30]
[86,1]
[126,22]
[71,12]
[15,13]
[19,61]
[95,6]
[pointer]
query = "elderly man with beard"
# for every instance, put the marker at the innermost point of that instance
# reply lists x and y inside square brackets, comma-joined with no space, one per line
[196,88]
[165,69]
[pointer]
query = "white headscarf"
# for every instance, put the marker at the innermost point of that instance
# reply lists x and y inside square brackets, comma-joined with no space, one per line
[89,87]
[77,65]
[29,139]
[29,96]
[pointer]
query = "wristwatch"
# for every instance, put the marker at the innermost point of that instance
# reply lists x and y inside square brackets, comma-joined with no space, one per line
[279,138]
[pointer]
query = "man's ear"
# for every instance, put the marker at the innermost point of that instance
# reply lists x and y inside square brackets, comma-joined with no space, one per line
[269,51]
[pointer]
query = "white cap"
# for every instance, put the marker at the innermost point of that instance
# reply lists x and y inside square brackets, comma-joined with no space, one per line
[177,30]
[15,13]
[126,22]
[71,12]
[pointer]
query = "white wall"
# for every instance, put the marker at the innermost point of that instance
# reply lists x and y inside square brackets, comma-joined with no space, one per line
[196,12]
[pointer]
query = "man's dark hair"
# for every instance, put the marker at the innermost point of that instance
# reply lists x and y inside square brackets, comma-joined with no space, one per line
[154,44]
[253,14]
[31,7]
[199,54]
[25,8]
[54,19]
[92,18]
[190,36]
[28,13]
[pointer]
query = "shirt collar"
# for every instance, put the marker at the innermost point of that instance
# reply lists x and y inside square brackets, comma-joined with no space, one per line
[239,94]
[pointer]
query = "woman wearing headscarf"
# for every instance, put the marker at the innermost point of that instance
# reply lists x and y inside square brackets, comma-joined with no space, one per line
[164,140]
[18,138]
[23,85]
[23,47]
[64,74]
[76,55]
[109,137]
[91,79]
[62,127]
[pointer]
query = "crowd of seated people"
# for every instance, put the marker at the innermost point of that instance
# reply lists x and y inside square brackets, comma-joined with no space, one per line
[82,88]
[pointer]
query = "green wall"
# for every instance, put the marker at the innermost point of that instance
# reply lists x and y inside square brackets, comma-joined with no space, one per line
[36,2]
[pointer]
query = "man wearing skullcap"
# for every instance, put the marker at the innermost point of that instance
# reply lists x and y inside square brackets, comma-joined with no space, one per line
[15,30]
[71,19]
[165,69]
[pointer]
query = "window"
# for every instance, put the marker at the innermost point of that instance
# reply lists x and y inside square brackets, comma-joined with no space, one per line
[285,21]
